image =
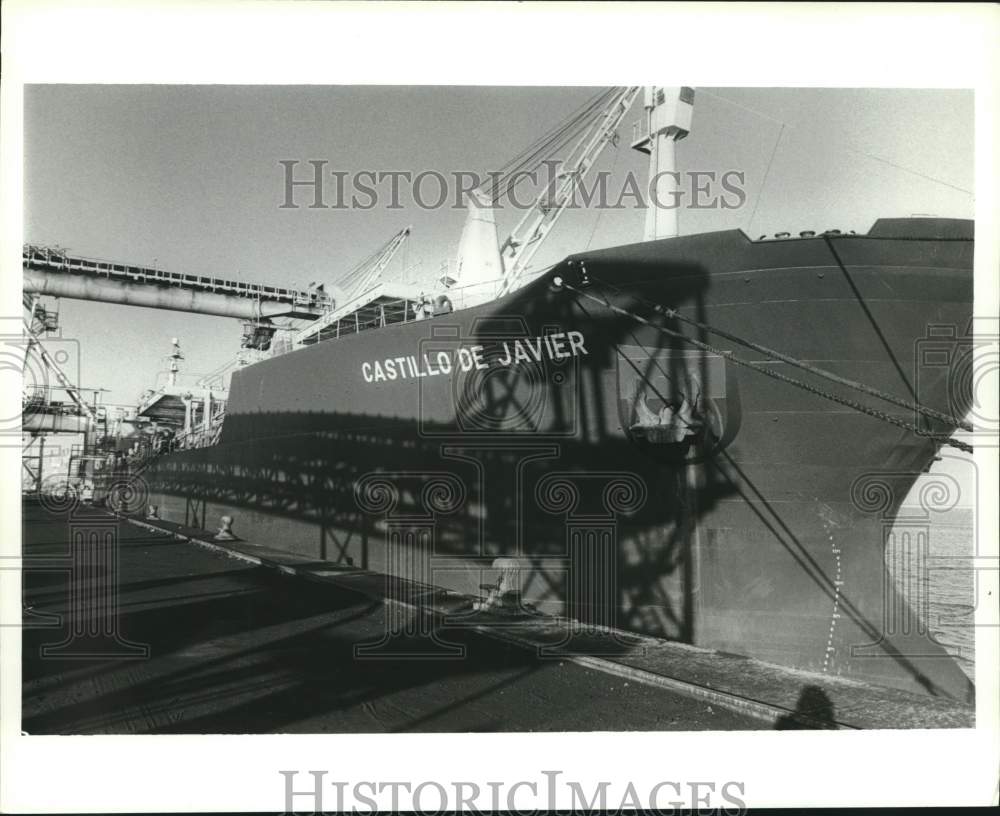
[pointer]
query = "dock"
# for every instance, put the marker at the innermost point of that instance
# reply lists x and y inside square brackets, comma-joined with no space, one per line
[204,636]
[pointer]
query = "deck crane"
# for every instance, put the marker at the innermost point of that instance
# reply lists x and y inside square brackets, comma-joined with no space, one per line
[367,274]
[360,287]
[487,269]
[527,237]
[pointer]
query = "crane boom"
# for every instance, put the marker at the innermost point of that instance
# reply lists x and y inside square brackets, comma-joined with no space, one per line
[526,238]
[361,281]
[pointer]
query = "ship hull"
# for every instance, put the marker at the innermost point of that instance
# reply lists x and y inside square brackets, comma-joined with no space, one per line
[527,428]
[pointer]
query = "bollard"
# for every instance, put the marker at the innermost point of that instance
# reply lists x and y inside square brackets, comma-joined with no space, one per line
[153,512]
[505,594]
[509,581]
[226,530]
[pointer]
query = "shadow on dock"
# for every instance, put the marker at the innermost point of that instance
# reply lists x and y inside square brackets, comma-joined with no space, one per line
[814,711]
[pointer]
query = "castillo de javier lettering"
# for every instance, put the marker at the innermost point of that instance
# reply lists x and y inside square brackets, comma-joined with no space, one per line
[556,346]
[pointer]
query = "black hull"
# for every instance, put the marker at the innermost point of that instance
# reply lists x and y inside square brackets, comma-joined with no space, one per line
[762,535]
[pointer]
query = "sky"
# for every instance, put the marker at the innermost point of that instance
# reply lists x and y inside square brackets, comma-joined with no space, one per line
[187,178]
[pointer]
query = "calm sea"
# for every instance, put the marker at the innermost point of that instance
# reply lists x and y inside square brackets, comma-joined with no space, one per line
[941,583]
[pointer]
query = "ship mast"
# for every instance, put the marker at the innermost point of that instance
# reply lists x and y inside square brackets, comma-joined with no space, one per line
[668,120]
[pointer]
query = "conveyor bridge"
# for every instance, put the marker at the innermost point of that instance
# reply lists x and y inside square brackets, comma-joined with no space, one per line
[49,271]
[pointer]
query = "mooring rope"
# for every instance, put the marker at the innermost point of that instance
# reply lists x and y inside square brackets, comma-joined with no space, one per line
[809,367]
[753,366]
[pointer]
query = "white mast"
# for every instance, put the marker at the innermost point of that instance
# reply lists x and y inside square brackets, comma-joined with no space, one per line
[668,119]
[175,357]
[478,267]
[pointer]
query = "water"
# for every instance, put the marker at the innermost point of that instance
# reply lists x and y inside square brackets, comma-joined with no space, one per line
[937,578]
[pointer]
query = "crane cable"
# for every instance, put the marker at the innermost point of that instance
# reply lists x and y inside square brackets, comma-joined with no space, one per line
[572,120]
[730,356]
[514,173]
[564,132]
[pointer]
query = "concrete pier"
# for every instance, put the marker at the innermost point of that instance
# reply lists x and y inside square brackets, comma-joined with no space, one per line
[202,636]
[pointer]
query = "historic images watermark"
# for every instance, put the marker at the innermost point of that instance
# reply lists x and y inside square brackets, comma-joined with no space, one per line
[500,517]
[955,372]
[41,369]
[91,624]
[957,368]
[551,791]
[909,537]
[313,184]
[74,486]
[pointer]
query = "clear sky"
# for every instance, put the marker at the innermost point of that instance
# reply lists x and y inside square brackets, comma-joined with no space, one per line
[188,178]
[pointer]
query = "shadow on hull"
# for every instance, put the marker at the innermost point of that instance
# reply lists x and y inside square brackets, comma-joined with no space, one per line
[642,481]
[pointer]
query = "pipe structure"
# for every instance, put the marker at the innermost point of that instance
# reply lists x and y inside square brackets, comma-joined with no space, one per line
[42,423]
[154,297]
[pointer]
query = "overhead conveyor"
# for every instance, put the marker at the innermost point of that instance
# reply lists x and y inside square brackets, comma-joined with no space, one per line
[53,272]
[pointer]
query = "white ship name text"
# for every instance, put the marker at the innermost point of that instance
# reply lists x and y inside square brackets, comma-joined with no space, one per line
[557,346]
